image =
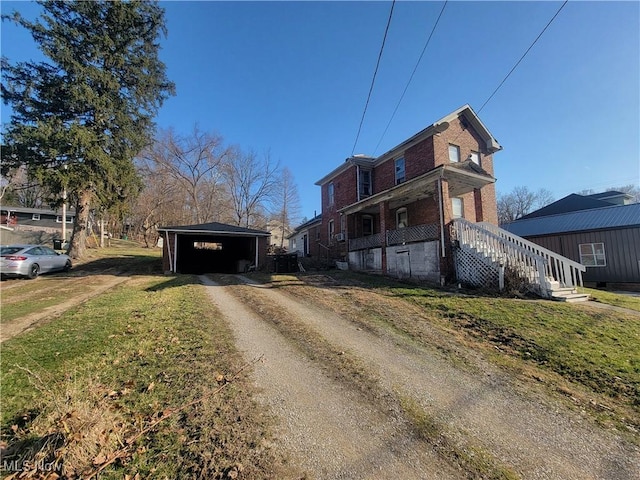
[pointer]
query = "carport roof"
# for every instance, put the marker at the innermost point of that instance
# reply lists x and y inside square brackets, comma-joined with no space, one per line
[215,228]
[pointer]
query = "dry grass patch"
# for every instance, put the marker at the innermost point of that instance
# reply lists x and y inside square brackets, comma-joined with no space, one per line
[138,381]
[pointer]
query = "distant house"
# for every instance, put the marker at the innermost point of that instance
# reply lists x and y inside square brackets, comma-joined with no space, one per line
[37,219]
[601,231]
[304,240]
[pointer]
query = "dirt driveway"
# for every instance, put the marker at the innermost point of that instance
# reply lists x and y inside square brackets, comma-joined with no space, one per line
[332,433]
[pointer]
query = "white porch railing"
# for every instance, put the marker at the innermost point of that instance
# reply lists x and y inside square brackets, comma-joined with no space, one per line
[537,264]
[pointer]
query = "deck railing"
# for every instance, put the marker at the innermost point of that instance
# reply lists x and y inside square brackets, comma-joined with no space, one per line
[415,233]
[534,262]
[362,243]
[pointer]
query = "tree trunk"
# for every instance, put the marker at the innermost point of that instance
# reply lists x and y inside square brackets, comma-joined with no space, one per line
[78,244]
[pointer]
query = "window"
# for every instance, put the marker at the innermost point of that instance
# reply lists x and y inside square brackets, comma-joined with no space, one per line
[367,225]
[342,223]
[454,153]
[592,255]
[331,193]
[399,170]
[402,218]
[457,207]
[35,216]
[365,183]
[475,157]
[332,229]
[59,219]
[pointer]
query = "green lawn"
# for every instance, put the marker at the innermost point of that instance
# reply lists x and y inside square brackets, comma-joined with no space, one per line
[82,385]
[615,299]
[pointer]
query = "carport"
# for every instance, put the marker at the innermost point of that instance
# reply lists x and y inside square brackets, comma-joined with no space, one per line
[212,248]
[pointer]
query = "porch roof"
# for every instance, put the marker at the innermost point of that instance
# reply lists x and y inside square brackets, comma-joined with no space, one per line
[462,177]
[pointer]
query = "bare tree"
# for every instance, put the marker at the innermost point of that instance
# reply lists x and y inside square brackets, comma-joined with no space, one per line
[252,185]
[288,204]
[191,164]
[521,201]
[23,189]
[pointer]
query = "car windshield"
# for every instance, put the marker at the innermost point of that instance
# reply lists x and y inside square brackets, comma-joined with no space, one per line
[9,250]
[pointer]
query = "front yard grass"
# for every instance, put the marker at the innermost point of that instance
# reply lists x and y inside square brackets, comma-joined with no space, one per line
[593,349]
[79,394]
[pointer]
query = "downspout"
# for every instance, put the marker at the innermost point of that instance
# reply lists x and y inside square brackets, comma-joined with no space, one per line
[442,246]
[175,252]
[358,181]
[169,251]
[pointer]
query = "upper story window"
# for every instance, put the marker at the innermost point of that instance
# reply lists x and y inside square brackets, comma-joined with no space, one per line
[365,183]
[331,193]
[592,255]
[475,157]
[400,170]
[457,207]
[454,153]
[332,229]
[402,218]
[35,216]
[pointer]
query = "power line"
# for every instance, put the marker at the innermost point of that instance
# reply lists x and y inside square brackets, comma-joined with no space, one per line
[384,39]
[523,55]
[411,77]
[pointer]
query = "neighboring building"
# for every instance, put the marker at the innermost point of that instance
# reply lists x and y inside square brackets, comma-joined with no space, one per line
[274,227]
[575,202]
[304,240]
[393,213]
[36,219]
[213,248]
[604,236]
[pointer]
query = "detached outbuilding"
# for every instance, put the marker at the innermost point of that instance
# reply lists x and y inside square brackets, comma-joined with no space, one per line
[213,248]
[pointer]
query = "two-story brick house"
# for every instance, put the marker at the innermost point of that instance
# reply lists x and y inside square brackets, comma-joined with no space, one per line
[392,213]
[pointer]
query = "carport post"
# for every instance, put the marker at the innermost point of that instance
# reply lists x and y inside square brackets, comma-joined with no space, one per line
[169,251]
[256,253]
[175,252]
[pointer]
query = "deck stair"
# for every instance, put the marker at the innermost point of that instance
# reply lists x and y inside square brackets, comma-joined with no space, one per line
[485,252]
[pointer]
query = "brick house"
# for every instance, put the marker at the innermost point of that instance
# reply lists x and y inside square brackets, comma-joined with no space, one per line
[393,213]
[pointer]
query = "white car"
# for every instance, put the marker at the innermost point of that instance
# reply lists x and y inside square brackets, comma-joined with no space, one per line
[31,260]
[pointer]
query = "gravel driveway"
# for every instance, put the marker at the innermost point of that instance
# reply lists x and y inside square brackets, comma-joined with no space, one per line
[332,434]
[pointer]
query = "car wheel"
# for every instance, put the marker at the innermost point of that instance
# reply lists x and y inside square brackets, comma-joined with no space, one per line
[67,266]
[34,271]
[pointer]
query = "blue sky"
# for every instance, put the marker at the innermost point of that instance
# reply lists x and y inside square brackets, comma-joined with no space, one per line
[292,78]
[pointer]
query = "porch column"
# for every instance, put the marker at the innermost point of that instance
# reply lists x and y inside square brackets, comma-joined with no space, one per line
[384,224]
[477,200]
[447,268]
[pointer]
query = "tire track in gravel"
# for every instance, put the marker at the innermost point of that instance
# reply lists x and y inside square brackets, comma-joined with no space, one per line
[538,441]
[325,428]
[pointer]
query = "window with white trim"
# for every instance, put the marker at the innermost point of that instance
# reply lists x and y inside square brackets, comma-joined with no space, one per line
[35,216]
[332,229]
[365,183]
[592,255]
[475,157]
[457,207]
[59,219]
[400,170]
[454,153]
[331,193]
[402,218]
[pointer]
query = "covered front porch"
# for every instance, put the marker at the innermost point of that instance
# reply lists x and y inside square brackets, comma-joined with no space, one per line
[404,231]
